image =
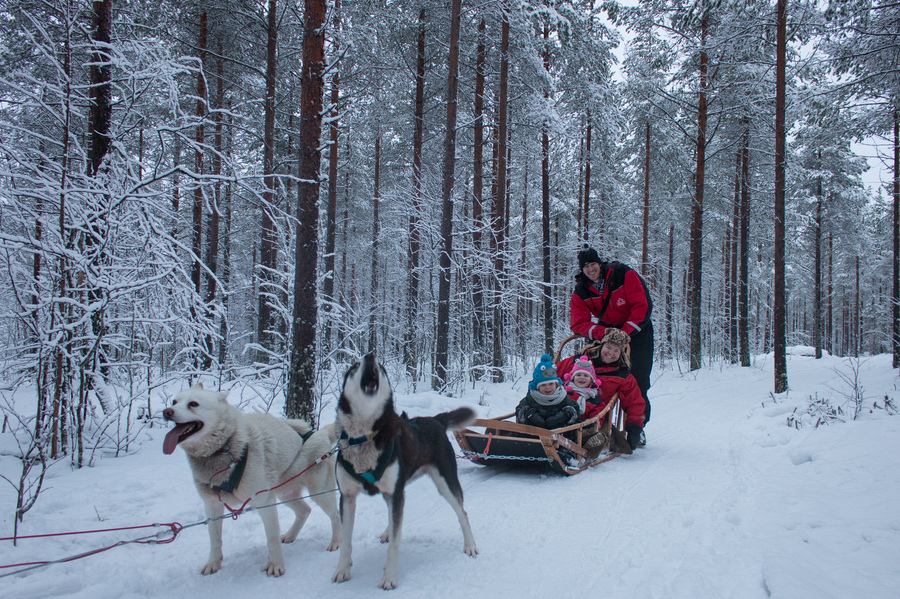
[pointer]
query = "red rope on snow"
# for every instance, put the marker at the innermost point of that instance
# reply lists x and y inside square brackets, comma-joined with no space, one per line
[153,539]
[87,532]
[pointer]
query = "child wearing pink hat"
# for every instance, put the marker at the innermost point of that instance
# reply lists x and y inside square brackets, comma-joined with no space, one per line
[582,385]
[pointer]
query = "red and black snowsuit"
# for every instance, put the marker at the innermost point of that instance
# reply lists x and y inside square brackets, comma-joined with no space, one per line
[619,299]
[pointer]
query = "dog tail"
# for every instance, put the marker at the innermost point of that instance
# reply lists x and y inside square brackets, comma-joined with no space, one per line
[301,426]
[457,419]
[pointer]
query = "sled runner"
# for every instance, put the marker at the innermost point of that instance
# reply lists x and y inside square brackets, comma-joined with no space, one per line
[568,450]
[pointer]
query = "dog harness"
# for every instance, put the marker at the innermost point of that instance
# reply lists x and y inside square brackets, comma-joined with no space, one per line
[237,465]
[371,476]
[237,471]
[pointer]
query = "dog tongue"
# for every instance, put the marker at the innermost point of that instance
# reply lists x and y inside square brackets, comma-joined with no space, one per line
[171,440]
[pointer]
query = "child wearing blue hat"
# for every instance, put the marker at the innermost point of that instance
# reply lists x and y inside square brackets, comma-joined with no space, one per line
[547,404]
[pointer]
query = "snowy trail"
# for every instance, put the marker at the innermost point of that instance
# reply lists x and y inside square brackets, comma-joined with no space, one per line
[725,501]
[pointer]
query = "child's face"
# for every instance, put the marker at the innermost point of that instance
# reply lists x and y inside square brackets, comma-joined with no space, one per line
[582,379]
[610,353]
[548,388]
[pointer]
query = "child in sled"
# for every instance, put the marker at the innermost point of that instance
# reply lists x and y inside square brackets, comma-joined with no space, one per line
[582,386]
[547,405]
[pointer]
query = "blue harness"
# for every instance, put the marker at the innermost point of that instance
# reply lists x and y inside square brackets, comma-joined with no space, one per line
[370,476]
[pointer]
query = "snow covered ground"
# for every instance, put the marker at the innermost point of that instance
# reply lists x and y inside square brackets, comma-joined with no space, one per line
[726,501]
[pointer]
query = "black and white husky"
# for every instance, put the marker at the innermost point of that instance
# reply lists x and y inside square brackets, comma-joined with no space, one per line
[382,451]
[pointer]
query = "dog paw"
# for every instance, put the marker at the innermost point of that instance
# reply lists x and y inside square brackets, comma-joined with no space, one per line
[388,583]
[273,569]
[334,545]
[471,550]
[210,568]
[288,537]
[341,575]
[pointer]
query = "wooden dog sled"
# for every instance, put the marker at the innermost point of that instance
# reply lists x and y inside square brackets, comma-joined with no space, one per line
[502,440]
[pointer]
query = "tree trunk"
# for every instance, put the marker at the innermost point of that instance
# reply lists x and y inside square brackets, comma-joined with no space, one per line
[345,293]
[101,92]
[268,249]
[331,208]
[670,294]
[645,260]
[500,211]
[895,274]
[579,219]
[696,267]
[586,225]
[743,284]
[212,230]
[197,208]
[726,295]
[829,313]
[410,344]
[440,380]
[733,276]
[63,314]
[856,333]
[99,126]
[817,270]
[780,299]
[480,317]
[300,401]
[373,288]
[226,275]
[545,211]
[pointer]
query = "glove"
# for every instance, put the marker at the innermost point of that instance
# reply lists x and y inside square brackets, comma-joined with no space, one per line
[537,420]
[562,417]
[526,413]
[633,433]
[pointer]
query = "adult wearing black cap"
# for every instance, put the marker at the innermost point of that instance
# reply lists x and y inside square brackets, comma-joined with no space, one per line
[610,294]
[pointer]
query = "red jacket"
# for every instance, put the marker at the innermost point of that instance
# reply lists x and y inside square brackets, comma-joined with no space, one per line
[612,378]
[621,290]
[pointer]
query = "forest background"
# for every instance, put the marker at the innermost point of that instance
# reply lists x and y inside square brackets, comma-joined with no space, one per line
[265,190]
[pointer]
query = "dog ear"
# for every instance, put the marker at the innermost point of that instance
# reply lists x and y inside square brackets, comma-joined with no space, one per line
[223,396]
[197,385]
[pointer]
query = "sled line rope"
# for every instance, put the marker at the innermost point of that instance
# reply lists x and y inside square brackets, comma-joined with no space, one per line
[154,539]
[87,532]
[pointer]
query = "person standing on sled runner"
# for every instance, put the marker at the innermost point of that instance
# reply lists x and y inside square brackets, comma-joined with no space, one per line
[610,294]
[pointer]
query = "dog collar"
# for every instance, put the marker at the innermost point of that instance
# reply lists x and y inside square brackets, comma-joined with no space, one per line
[370,476]
[237,472]
[224,450]
[357,440]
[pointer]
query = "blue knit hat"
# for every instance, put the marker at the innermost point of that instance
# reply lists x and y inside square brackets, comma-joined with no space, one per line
[544,373]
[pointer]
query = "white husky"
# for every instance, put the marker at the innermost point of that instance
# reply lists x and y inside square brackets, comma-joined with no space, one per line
[234,455]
